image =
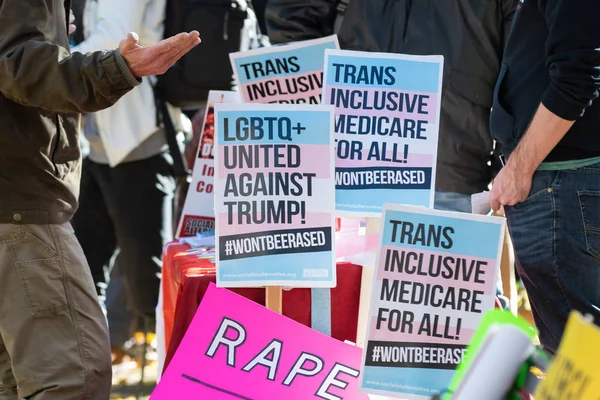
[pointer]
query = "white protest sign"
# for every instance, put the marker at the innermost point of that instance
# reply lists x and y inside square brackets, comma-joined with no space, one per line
[435,277]
[198,211]
[274,195]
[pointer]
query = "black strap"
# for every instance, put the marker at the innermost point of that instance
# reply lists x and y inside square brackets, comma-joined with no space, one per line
[179,168]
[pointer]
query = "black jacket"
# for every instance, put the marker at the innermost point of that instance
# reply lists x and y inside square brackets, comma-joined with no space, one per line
[552,57]
[470,34]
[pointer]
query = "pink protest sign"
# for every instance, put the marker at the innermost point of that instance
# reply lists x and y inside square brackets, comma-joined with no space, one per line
[237,349]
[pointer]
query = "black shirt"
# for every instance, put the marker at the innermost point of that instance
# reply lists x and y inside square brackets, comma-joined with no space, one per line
[552,57]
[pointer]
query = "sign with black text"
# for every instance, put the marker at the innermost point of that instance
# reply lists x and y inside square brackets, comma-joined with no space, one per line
[290,73]
[435,277]
[198,214]
[387,112]
[274,195]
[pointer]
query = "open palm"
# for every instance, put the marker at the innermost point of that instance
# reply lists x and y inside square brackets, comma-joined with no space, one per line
[158,58]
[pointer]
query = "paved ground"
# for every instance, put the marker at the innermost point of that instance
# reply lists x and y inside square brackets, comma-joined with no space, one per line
[127,385]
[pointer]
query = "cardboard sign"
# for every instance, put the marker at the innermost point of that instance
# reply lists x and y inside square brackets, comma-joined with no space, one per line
[274,195]
[291,73]
[387,111]
[574,374]
[237,349]
[435,278]
[198,210]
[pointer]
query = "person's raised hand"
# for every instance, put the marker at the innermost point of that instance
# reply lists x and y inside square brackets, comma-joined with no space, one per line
[158,58]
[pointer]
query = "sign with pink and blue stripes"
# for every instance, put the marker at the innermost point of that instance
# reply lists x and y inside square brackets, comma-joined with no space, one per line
[288,74]
[274,195]
[435,278]
[387,112]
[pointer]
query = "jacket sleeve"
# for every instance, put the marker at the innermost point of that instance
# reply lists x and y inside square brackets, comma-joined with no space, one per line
[116,18]
[294,20]
[509,8]
[572,56]
[37,72]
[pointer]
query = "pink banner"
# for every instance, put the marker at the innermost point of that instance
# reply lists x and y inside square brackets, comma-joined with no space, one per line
[378,102]
[296,89]
[312,220]
[430,267]
[237,349]
[240,155]
[412,161]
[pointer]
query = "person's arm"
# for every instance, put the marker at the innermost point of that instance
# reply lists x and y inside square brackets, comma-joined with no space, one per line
[38,73]
[573,61]
[116,18]
[294,20]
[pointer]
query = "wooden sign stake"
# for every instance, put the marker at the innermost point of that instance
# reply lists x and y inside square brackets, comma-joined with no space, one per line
[509,279]
[274,295]
[366,285]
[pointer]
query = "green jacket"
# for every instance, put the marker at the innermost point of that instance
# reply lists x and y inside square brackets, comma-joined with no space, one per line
[43,90]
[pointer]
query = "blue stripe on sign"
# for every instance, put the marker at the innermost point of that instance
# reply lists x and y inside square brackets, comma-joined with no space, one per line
[316,124]
[308,58]
[371,200]
[470,238]
[416,381]
[418,76]
[284,267]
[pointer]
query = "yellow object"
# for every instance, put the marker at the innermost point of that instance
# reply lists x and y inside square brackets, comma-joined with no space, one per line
[575,372]
[139,338]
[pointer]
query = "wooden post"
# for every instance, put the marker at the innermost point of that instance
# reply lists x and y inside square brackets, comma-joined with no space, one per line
[509,279]
[507,270]
[273,298]
[366,285]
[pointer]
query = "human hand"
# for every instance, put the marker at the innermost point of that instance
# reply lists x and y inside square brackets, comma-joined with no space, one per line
[511,186]
[158,58]
[72,27]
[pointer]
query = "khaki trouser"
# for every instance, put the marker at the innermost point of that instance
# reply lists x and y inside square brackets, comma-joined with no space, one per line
[53,335]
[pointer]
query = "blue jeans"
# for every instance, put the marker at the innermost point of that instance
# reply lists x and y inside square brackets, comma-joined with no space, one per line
[449,201]
[556,236]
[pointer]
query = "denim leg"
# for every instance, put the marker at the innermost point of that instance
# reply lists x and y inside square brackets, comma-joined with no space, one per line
[449,201]
[556,236]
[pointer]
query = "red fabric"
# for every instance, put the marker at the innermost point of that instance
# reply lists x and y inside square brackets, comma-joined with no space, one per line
[194,279]
[178,259]
[169,287]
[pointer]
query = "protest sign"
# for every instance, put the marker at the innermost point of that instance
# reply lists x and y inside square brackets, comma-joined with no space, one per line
[291,73]
[274,195]
[574,373]
[198,211]
[237,349]
[435,278]
[387,111]
[496,353]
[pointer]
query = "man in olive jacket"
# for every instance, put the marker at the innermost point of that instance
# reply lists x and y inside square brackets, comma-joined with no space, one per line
[53,335]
